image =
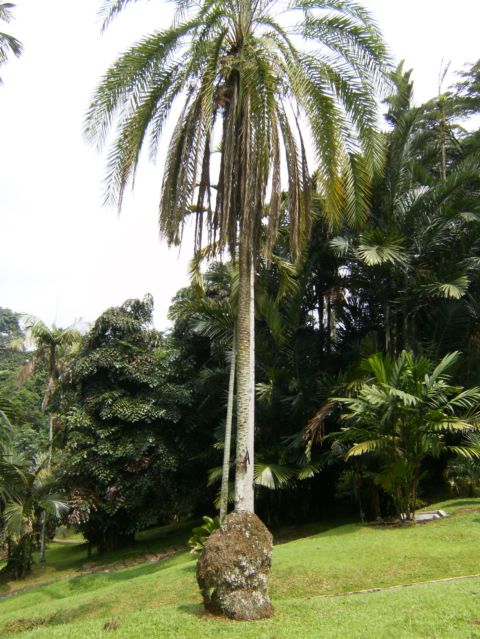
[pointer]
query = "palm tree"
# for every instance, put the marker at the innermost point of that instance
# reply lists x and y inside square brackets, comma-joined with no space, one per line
[418,250]
[29,486]
[8,44]
[53,348]
[401,414]
[250,84]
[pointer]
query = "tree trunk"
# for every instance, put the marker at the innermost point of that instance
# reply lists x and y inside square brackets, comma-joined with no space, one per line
[43,521]
[20,557]
[245,382]
[388,334]
[43,526]
[228,432]
[329,323]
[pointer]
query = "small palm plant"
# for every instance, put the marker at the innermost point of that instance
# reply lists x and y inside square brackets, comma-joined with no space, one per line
[26,488]
[401,414]
[463,474]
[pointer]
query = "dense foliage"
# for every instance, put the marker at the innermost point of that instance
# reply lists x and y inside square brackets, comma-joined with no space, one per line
[123,444]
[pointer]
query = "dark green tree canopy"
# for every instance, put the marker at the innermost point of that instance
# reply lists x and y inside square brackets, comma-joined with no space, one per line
[121,413]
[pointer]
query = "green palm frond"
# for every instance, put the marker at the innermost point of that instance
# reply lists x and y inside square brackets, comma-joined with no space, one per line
[54,505]
[12,479]
[341,245]
[447,362]
[309,470]
[14,520]
[362,448]
[466,400]
[467,452]
[110,9]
[454,288]
[470,216]
[375,248]
[272,476]
[8,44]
[214,475]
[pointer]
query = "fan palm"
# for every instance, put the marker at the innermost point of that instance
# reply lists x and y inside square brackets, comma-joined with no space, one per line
[250,81]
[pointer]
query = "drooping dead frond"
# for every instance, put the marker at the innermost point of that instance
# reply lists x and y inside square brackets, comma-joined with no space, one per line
[27,370]
[315,429]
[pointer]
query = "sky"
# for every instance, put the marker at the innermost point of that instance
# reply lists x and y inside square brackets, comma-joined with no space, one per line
[63,255]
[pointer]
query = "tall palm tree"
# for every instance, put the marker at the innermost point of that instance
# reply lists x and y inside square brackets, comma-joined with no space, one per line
[53,347]
[8,44]
[251,77]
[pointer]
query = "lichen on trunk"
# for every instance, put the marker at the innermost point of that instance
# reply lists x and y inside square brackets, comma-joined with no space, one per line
[232,570]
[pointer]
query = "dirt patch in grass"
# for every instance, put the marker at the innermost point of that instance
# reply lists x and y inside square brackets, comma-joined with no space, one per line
[30,623]
[459,511]
[112,625]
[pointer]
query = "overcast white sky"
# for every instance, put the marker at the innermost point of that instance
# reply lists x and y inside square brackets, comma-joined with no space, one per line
[62,255]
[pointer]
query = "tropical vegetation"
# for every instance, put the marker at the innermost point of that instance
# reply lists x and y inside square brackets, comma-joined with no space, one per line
[330,331]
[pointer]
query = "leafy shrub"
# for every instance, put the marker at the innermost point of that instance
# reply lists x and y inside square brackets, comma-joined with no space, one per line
[200,534]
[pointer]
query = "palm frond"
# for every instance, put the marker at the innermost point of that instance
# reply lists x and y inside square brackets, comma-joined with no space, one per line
[272,476]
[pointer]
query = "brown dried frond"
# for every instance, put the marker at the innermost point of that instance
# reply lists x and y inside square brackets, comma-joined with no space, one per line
[27,370]
[315,429]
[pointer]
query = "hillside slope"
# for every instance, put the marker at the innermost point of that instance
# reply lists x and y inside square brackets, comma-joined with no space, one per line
[310,585]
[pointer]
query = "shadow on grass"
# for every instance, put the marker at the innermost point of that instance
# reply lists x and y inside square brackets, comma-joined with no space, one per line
[79,584]
[345,529]
[61,617]
[193,610]
[101,579]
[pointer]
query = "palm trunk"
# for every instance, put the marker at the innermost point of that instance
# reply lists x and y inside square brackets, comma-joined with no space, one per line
[43,528]
[228,432]
[388,334]
[329,323]
[245,383]
[50,440]
[43,521]
[443,154]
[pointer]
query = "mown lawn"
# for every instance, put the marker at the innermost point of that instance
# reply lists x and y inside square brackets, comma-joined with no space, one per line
[161,600]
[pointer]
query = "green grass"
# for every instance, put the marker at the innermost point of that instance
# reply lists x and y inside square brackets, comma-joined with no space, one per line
[67,555]
[160,600]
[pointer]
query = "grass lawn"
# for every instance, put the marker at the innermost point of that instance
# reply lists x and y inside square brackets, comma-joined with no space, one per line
[160,599]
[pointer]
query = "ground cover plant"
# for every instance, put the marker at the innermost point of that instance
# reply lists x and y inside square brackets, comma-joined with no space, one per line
[311,584]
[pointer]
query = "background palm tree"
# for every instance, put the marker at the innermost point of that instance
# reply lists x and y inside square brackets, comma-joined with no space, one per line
[30,487]
[247,81]
[401,415]
[53,347]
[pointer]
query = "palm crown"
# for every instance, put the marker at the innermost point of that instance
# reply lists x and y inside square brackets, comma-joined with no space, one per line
[253,82]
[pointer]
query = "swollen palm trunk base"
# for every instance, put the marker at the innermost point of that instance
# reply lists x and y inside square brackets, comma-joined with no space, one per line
[233,567]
